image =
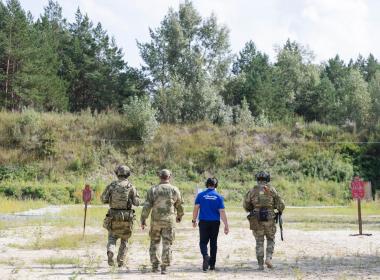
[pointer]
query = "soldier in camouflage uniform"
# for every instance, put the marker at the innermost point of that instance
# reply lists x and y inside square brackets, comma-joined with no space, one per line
[260,202]
[120,195]
[165,202]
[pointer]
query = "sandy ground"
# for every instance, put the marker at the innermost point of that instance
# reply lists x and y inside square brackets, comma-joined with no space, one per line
[303,255]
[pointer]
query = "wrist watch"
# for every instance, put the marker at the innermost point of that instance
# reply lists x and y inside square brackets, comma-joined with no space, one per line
[193,221]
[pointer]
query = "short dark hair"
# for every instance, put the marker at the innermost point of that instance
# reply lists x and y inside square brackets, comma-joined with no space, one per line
[211,182]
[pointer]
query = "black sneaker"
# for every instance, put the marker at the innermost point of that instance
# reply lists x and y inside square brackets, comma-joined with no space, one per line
[212,267]
[206,263]
[163,269]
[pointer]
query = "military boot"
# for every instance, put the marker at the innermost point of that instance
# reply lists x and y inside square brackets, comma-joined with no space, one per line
[268,263]
[155,268]
[260,262]
[163,269]
[110,258]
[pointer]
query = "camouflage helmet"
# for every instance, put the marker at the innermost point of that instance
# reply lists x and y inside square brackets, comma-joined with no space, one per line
[164,173]
[122,171]
[262,176]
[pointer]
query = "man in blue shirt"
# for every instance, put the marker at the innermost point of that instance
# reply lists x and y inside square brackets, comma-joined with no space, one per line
[210,206]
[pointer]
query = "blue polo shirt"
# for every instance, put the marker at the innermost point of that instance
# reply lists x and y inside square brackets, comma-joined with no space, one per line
[210,202]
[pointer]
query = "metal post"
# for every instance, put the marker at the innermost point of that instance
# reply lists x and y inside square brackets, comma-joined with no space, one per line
[85,216]
[360,217]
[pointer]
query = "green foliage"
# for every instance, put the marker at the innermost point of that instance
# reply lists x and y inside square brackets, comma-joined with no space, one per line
[244,115]
[357,99]
[28,172]
[186,47]
[142,116]
[374,91]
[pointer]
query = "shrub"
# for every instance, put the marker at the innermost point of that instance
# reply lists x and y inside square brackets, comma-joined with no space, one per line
[142,116]
[244,116]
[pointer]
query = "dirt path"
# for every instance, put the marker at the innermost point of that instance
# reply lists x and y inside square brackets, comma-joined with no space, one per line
[304,255]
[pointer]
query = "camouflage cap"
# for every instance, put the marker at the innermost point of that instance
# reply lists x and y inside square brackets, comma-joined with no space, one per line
[122,170]
[164,173]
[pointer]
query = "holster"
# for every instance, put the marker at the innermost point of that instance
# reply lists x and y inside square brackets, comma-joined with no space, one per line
[253,221]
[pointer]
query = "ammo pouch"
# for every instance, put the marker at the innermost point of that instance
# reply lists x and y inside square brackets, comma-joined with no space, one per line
[115,215]
[122,215]
[263,214]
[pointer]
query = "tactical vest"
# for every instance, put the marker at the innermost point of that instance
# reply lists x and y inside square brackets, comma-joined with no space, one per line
[120,195]
[163,205]
[261,198]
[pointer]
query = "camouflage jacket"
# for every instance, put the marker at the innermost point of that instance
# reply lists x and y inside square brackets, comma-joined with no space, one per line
[121,194]
[263,197]
[165,202]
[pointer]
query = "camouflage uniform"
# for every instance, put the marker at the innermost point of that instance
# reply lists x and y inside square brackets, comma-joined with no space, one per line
[120,195]
[166,204]
[263,196]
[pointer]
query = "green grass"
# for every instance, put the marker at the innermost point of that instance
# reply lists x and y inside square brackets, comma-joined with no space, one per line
[10,205]
[303,174]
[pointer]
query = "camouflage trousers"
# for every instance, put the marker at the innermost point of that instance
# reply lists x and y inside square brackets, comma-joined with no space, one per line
[167,234]
[122,230]
[261,230]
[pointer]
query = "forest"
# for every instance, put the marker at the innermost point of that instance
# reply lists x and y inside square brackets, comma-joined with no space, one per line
[60,78]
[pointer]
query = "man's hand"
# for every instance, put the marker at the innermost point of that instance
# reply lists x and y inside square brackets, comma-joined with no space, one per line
[194,222]
[178,219]
[226,230]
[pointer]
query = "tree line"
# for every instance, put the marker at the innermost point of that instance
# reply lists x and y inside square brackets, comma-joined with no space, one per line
[189,72]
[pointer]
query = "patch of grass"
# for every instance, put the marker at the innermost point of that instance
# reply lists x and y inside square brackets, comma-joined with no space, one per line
[67,241]
[53,261]
[10,205]
[91,262]
[11,261]
[140,238]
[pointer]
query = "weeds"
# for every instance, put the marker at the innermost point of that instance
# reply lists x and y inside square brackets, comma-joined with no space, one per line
[10,205]
[53,261]
[69,241]
[50,156]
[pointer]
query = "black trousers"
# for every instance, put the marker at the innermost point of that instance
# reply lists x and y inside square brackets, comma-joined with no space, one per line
[208,232]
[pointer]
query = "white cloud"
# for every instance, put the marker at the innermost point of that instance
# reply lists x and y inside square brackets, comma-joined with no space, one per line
[346,27]
[330,27]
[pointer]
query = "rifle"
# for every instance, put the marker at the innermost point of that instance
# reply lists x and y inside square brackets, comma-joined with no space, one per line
[278,219]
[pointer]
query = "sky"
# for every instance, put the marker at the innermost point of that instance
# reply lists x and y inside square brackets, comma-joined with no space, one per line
[327,27]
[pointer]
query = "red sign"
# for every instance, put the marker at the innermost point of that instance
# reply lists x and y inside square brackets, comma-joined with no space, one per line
[87,194]
[357,188]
